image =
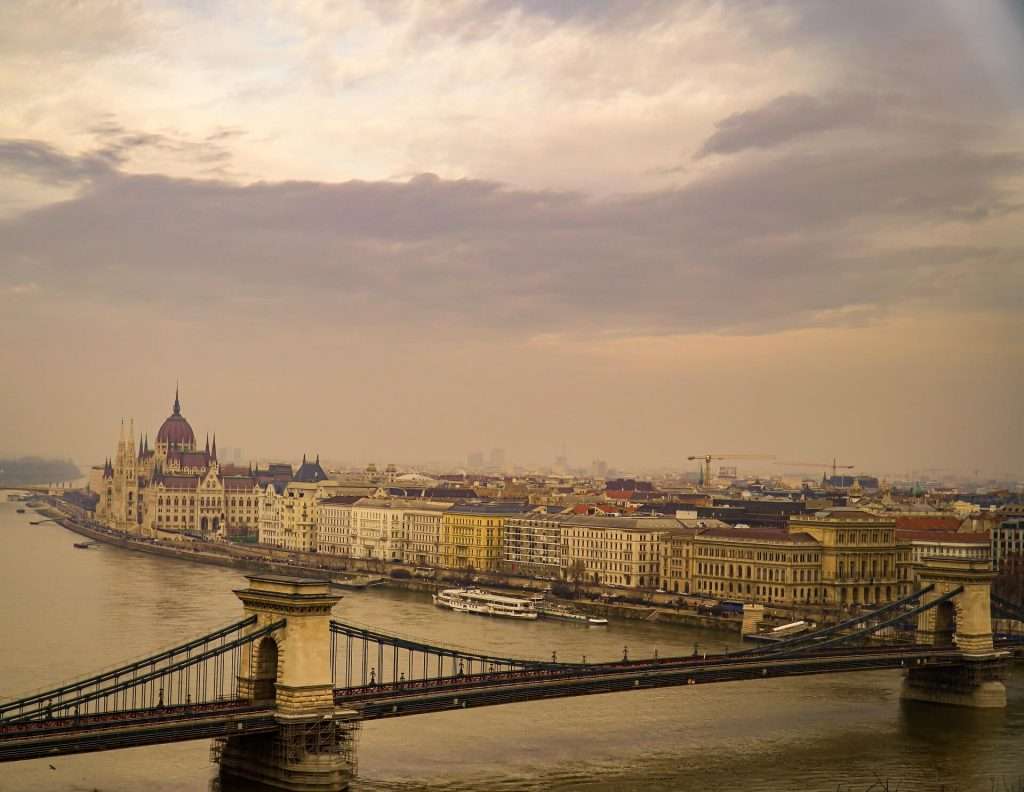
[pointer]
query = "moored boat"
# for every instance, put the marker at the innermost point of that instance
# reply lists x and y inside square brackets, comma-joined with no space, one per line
[485,603]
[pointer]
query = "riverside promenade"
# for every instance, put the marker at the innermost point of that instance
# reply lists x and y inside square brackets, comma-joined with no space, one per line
[256,558]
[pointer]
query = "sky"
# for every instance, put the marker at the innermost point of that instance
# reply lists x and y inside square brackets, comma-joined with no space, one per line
[628,230]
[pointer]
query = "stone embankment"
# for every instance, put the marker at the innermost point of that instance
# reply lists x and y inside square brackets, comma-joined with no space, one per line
[254,558]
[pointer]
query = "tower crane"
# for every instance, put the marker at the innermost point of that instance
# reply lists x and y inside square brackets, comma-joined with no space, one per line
[705,474]
[835,466]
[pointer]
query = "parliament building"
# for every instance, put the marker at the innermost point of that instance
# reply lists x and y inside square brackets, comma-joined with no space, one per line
[172,488]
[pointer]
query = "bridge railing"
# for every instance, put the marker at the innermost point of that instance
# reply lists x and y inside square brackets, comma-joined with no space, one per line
[201,671]
[362,656]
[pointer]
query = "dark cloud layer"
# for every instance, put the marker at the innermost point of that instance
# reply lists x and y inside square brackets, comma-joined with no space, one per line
[785,118]
[776,244]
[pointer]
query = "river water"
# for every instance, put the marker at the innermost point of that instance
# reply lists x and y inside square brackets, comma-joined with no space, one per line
[66,612]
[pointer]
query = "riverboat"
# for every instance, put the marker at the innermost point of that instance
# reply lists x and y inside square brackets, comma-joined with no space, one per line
[84,545]
[562,613]
[485,603]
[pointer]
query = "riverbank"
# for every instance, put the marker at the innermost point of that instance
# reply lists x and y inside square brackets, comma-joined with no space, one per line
[253,558]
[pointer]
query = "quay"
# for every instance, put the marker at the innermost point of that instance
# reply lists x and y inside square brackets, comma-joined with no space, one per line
[255,558]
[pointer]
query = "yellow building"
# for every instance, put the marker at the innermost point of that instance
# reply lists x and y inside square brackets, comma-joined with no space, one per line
[472,534]
[861,562]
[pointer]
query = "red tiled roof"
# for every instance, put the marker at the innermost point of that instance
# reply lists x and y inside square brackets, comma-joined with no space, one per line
[927,522]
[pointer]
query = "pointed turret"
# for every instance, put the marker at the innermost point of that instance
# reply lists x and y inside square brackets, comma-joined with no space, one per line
[303,459]
[142,448]
[214,452]
[176,410]
[207,443]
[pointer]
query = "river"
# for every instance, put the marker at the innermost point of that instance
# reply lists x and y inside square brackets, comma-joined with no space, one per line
[67,612]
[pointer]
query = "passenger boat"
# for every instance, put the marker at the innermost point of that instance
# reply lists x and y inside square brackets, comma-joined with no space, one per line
[84,545]
[485,603]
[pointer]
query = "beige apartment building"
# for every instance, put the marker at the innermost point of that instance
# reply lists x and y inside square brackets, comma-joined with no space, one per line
[334,525]
[288,510]
[617,551]
[423,521]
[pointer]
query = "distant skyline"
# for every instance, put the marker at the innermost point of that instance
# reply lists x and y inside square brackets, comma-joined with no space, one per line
[407,231]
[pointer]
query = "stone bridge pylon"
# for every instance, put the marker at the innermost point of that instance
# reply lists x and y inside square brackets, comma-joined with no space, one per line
[963,621]
[314,748]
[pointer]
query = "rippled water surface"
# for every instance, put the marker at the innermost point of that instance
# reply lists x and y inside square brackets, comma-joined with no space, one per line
[66,612]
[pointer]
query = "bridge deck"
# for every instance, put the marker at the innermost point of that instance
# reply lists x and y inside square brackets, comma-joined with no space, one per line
[389,701]
[39,739]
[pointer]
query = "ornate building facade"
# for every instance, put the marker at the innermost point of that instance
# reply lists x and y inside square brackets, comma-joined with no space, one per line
[172,489]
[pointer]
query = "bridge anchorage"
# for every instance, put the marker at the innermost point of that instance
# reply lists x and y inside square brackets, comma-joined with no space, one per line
[283,690]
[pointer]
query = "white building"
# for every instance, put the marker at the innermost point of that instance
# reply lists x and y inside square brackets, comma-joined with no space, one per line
[378,529]
[423,531]
[334,525]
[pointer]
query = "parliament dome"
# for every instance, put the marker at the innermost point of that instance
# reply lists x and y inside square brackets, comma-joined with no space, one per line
[176,432]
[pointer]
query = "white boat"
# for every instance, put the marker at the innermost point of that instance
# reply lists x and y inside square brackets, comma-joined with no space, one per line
[485,603]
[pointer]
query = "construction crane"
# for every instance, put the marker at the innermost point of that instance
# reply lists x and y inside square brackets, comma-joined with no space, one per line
[835,466]
[705,473]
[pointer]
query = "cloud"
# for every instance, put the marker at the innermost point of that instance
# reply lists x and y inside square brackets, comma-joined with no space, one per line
[800,240]
[42,162]
[786,118]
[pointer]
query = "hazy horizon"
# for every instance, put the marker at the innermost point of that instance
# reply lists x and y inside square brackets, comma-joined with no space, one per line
[389,231]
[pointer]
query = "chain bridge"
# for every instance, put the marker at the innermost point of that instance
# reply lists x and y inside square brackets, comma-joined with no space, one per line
[283,690]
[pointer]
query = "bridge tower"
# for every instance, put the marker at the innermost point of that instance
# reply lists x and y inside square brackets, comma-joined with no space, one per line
[314,747]
[964,622]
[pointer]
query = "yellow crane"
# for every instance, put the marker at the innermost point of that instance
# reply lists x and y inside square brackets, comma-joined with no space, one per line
[705,471]
[835,466]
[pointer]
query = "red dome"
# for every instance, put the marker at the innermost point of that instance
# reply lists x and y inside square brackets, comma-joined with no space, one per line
[175,431]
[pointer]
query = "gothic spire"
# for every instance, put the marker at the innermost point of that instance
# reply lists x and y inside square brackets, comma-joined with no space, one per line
[214,445]
[177,401]
[207,443]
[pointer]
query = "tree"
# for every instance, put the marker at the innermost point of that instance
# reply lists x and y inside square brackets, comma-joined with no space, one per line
[577,573]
